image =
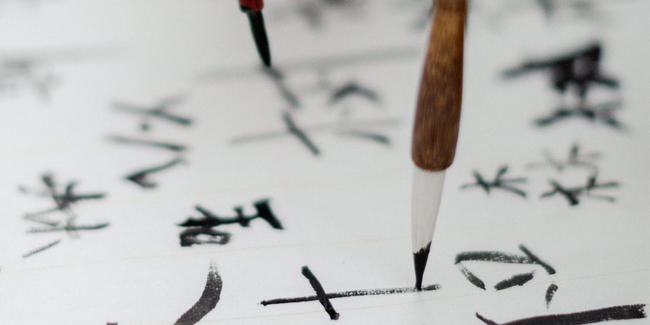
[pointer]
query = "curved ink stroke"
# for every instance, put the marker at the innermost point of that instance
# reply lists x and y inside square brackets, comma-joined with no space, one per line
[585,317]
[207,302]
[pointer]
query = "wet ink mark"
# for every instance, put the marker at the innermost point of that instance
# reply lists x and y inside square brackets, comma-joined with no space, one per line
[204,225]
[158,110]
[352,88]
[573,194]
[575,159]
[154,144]
[64,201]
[516,280]
[586,317]
[598,113]
[499,257]
[324,297]
[140,177]
[550,292]
[580,69]
[40,249]
[498,183]
[208,301]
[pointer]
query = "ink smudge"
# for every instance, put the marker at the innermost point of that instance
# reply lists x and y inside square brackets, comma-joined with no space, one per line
[586,317]
[516,280]
[208,300]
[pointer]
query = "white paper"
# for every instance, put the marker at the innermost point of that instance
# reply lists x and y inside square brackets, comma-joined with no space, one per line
[345,212]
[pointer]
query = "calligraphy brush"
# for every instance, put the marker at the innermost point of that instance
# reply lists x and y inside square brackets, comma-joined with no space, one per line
[253,8]
[437,118]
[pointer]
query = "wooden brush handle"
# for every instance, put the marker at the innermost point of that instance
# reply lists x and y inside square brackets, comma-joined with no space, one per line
[437,114]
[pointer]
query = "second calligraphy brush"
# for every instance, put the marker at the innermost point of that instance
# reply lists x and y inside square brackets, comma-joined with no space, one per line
[437,119]
[253,8]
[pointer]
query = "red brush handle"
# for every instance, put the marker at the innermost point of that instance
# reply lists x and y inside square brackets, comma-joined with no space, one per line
[255,5]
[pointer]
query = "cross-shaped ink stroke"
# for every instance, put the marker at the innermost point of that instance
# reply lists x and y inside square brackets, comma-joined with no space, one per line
[209,220]
[580,68]
[15,72]
[63,202]
[500,257]
[603,113]
[344,128]
[141,177]
[573,194]
[498,183]
[324,298]
[158,110]
[575,159]
[586,317]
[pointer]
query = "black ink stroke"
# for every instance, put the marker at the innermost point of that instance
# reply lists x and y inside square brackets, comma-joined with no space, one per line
[278,79]
[324,297]
[159,110]
[299,133]
[210,220]
[580,68]
[154,144]
[515,280]
[207,302]
[473,279]
[40,249]
[575,159]
[190,237]
[498,183]
[586,317]
[63,200]
[499,257]
[140,177]
[203,226]
[550,292]
[18,72]
[352,88]
[320,293]
[603,113]
[573,194]
[343,128]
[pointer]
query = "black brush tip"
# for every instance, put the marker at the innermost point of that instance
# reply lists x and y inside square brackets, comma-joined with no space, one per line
[259,34]
[420,262]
